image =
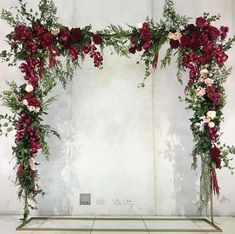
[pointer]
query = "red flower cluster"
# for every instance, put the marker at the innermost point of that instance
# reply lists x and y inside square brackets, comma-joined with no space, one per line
[94,53]
[143,40]
[33,38]
[70,38]
[27,133]
[213,133]
[97,39]
[32,69]
[213,95]
[32,100]
[216,155]
[200,41]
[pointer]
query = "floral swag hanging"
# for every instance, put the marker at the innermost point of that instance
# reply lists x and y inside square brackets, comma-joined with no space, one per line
[48,53]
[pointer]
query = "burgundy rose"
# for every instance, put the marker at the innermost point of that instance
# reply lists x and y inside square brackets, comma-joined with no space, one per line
[215,152]
[75,34]
[201,22]
[47,39]
[213,133]
[224,29]
[190,27]
[74,52]
[185,40]
[97,39]
[64,34]
[217,162]
[174,44]
[208,48]
[214,32]
[147,46]
[217,101]
[139,48]
[133,40]
[132,50]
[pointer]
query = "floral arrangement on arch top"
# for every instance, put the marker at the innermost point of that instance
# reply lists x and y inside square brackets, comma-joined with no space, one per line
[39,44]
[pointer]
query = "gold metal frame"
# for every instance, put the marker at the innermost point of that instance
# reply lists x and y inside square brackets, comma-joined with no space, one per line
[215,227]
[211,222]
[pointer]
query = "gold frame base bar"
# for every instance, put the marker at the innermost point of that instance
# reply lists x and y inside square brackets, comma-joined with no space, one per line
[215,228]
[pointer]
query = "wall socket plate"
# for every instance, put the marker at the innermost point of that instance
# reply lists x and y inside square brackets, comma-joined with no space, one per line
[128,202]
[85,199]
[117,202]
[100,201]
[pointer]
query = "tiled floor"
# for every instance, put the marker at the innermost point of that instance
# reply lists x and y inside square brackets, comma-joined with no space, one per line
[9,223]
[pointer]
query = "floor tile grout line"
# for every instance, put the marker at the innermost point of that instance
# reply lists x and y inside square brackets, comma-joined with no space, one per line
[93,224]
[145,225]
[199,226]
[39,225]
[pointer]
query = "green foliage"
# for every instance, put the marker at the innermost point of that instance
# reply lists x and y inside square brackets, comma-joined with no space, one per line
[8,17]
[118,38]
[9,98]
[172,20]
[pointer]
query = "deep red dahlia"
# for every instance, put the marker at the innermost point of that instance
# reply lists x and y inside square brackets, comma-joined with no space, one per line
[202,22]
[75,34]
[97,39]
[174,44]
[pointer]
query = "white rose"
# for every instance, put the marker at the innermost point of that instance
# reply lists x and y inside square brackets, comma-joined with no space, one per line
[55,32]
[31,108]
[171,35]
[209,81]
[211,125]
[201,93]
[198,125]
[139,26]
[211,114]
[25,102]
[204,72]
[29,88]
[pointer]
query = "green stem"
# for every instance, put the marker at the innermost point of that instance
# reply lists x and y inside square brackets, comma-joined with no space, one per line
[26,207]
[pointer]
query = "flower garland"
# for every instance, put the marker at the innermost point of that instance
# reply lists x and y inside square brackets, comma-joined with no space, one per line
[38,43]
[201,50]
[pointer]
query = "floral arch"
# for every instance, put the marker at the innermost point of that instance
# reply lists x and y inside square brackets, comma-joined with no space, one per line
[48,53]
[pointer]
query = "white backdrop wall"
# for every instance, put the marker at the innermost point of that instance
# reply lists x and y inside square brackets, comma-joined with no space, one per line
[119,142]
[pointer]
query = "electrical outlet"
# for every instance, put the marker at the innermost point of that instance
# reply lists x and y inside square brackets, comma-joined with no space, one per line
[100,201]
[128,202]
[117,202]
[85,199]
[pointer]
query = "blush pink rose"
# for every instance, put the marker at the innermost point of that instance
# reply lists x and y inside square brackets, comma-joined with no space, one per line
[209,82]
[201,92]
[32,164]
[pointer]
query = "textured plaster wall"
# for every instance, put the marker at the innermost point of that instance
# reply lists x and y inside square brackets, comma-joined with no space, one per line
[119,142]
